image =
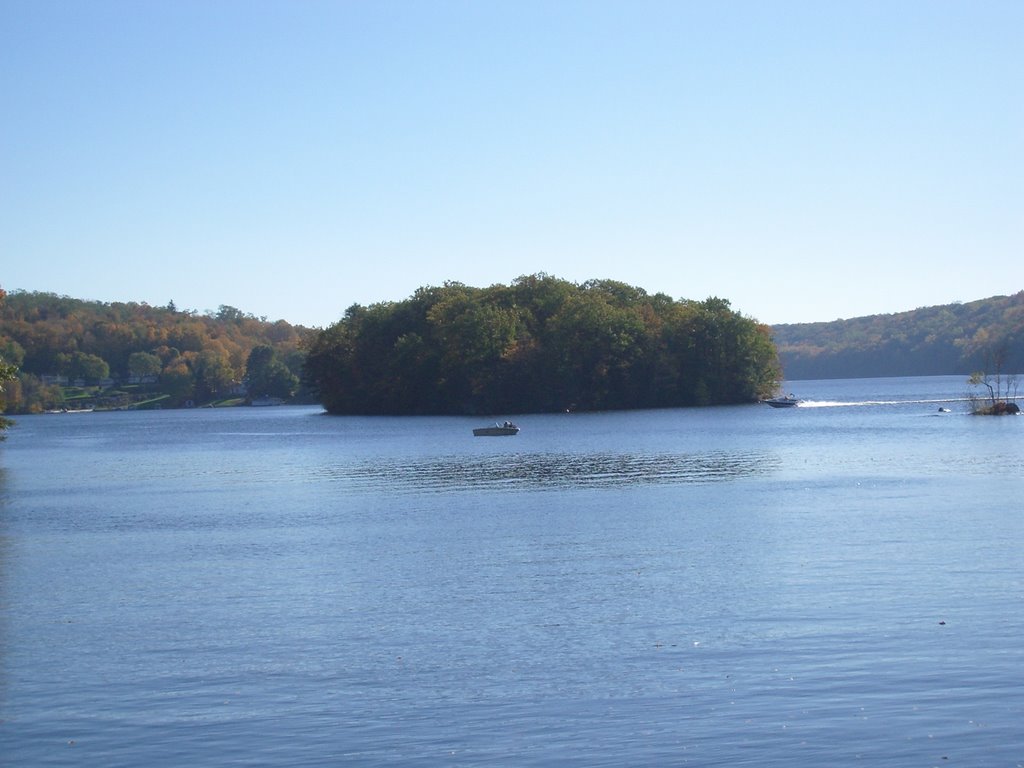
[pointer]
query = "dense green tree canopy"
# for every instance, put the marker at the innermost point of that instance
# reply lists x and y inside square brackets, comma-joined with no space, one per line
[539,344]
[144,364]
[266,376]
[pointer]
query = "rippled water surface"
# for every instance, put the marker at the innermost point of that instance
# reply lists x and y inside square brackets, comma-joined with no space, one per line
[838,583]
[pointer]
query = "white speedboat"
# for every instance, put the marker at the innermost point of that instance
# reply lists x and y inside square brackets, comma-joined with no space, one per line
[783,401]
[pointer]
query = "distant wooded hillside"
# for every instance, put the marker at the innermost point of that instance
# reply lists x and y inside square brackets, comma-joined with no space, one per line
[949,339]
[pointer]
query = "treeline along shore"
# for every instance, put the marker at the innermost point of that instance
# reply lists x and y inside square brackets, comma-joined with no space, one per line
[539,344]
[72,354]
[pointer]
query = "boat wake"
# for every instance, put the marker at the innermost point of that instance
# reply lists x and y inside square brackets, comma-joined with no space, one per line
[861,403]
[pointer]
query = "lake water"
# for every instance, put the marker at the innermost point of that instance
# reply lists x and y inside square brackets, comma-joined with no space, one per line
[838,583]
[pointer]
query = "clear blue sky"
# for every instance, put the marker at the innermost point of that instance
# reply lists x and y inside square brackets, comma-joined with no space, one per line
[805,160]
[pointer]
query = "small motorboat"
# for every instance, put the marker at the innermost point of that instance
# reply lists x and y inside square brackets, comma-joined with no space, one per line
[783,401]
[498,430]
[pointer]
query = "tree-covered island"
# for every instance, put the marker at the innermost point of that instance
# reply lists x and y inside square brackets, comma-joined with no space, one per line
[541,344]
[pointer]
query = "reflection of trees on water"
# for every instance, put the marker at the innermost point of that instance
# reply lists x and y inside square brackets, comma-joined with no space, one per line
[557,470]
